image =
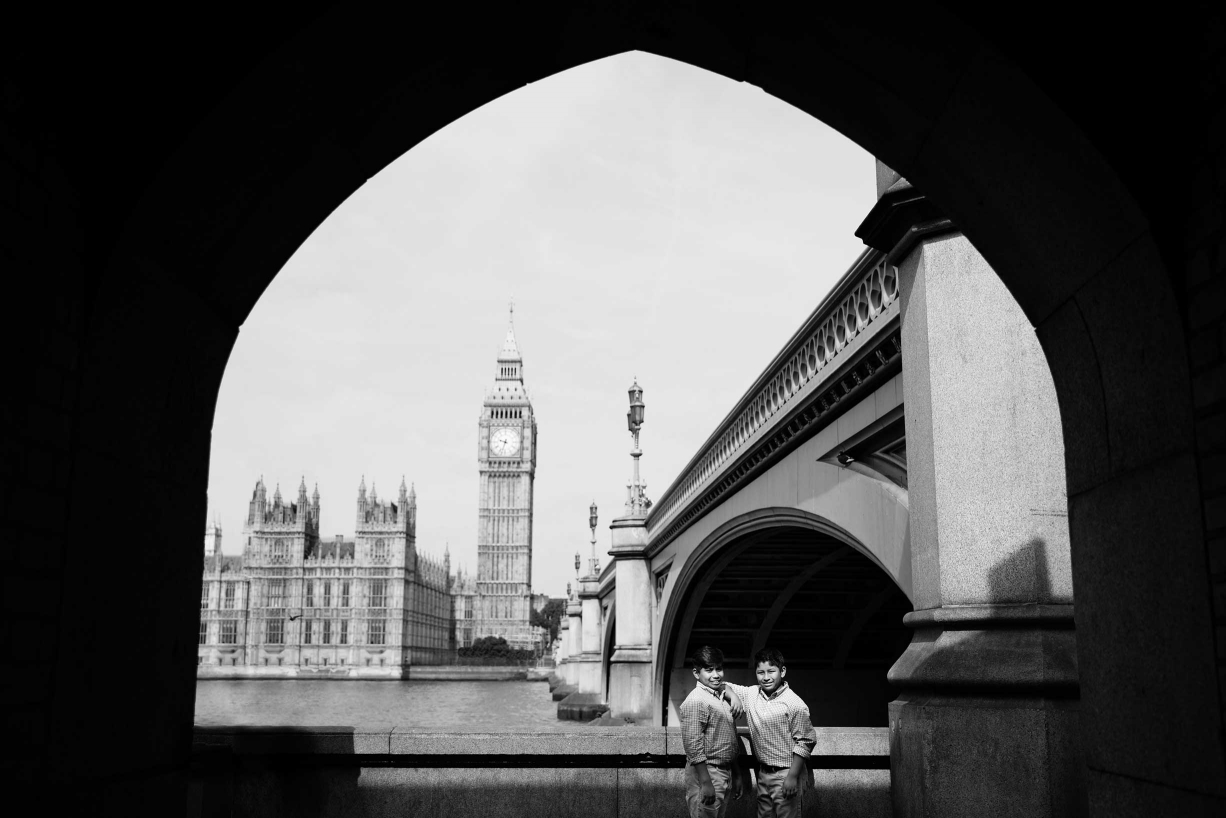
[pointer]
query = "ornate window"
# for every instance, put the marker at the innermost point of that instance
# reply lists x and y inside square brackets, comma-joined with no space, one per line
[327,632]
[344,594]
[276,593]
[327,594]
[380,552]
[274,631]
[344,640]
[307,634]
[204,596]
[310,593]
[376,631]
[229,632]
[378,593]
[204,632]
[228,599]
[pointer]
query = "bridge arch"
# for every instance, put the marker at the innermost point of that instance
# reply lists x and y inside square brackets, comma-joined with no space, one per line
[768,557]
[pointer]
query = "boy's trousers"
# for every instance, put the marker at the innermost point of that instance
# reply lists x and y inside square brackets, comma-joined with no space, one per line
[693,792]
[771,803]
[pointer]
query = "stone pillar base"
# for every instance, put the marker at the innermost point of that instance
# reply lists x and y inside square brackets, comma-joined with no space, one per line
[582,707]
[588,673]
[630,684]
[954,756]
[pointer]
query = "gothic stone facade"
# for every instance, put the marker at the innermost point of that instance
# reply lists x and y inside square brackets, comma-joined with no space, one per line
[295,606]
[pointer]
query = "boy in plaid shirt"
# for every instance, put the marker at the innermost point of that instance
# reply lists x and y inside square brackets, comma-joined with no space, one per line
[783,736]
[708,733]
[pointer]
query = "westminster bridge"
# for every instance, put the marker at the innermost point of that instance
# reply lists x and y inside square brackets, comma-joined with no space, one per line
[886,505]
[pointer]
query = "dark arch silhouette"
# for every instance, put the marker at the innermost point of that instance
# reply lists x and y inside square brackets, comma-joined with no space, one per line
[212,153]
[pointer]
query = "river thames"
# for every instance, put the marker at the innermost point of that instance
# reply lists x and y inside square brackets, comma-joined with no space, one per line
[427,706]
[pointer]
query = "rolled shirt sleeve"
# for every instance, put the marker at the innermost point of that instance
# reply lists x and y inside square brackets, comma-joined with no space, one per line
[803,734]
[694,718]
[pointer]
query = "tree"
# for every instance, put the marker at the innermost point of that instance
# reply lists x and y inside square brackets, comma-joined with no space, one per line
[549,617]
[489,646]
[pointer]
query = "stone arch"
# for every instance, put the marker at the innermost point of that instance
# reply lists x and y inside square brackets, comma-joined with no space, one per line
[725,545]
[236,184]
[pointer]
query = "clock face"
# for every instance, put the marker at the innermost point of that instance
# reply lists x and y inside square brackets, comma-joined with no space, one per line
[504,442]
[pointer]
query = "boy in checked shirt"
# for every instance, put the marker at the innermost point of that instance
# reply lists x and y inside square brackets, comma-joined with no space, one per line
[708,733]
[783,736]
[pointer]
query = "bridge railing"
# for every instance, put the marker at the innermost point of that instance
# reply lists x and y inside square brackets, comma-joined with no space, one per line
[808,370]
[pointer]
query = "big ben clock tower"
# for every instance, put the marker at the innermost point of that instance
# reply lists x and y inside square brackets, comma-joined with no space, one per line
[506,463]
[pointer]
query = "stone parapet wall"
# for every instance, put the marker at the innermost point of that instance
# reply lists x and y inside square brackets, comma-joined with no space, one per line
[341,771]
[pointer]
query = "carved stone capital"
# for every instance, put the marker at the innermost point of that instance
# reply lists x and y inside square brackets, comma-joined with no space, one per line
[631,654]
[630,539]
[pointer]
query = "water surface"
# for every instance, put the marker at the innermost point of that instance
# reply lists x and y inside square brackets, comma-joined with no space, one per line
[423,706]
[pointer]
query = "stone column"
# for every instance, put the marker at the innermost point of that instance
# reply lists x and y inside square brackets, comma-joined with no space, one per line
[563,644]
[630,665]
[589,659]
[574,612]
[986,719]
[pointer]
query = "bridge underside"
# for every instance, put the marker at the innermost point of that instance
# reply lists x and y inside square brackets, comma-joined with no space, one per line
[835,615]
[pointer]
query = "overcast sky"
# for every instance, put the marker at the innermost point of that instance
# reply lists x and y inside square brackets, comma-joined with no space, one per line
[649,219]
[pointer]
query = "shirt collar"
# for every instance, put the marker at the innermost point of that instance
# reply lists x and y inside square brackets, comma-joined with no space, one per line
[782,687]
[719,694]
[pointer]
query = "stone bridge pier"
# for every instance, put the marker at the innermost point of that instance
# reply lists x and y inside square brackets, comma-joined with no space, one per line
[629,681]
[986,721]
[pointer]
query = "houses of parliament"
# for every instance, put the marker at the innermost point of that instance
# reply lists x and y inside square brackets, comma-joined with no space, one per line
[294,604]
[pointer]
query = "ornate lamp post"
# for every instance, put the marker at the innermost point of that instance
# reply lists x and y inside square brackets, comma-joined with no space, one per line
[636,499]
[578,562]
[594,567]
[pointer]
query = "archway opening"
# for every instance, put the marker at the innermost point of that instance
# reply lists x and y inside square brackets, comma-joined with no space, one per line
[971,118]
[834,614]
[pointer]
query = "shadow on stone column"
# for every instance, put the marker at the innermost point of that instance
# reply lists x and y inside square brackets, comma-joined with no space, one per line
[986,721]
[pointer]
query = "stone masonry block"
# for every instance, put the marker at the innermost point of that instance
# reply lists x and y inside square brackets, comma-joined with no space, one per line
[9,185]
[585,741]
[1209,387]
[1144,625]
[1205,347]
[1211,432]
[1215,513]
[1125,797]
[32,200]
[1127,310]
[491,793]
[26,594]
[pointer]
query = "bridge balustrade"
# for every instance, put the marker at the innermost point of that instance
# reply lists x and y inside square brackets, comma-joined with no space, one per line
[813,376]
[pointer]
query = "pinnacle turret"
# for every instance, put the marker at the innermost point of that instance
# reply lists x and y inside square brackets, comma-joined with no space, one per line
[510,366]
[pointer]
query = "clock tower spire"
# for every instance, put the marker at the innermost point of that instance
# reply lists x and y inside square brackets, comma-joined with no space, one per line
[506,467]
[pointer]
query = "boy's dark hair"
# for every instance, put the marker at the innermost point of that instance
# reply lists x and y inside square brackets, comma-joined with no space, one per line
[770,656]
[706,656]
